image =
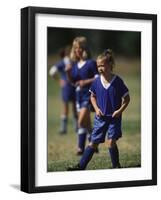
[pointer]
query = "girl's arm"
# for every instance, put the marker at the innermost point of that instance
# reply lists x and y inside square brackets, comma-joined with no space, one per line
[83,83]
[68,70]
[125,103]
[94,103]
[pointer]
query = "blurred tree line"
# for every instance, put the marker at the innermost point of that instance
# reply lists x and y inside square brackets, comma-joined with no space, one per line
[123,43]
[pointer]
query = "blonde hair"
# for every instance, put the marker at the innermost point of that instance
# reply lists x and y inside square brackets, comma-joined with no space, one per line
[82,41]
[108,57]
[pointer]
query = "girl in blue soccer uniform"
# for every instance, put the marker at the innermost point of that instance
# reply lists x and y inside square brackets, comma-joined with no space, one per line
[82,74]
[67,89]
[109,97]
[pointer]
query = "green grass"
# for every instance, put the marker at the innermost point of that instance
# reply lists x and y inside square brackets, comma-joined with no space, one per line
[62,149]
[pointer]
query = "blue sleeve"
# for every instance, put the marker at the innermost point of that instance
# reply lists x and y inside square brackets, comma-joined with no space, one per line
[60,66]
[92,89]
[123,89]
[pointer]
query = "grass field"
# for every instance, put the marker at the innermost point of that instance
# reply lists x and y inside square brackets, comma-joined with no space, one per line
[62,149]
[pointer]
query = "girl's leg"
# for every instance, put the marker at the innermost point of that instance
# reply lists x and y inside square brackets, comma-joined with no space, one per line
[89,130]
[88,125]
[75,116]
[64,119]
[114,153]
[85,159]
[82,129]
[87,155]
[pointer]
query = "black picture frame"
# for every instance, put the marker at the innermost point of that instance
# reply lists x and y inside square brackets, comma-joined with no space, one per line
[28,98]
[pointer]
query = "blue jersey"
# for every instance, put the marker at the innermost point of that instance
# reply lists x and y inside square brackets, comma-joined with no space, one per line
[61,69]
[68,90]
[87,71]
[109,98]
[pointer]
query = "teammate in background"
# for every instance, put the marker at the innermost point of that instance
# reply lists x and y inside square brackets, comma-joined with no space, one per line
[67,89]
[109,97]
[82,74]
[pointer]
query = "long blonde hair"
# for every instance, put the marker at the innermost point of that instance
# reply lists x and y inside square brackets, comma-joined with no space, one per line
[82,41]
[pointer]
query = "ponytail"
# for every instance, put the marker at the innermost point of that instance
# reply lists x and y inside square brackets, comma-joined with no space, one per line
[107,55]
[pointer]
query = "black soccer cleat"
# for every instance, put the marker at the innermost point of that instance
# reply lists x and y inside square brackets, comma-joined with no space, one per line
[97,150]
[74,168]
[117,167]
[79,153]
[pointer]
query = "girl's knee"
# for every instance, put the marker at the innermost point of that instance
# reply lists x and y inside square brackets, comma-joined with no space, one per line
[83,119]
[94,146]
[111,143]
[82,123]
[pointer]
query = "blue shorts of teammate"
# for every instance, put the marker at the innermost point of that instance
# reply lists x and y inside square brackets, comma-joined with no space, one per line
[106,126]
[68,93]
[82,99]
[82,103]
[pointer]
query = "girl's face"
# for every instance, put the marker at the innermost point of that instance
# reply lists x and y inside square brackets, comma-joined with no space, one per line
[103,67]
[78,51]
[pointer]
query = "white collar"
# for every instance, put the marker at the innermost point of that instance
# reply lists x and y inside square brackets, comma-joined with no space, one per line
[81,64]
[107,85]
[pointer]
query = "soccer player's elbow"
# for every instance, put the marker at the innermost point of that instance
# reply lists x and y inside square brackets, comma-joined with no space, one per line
[92,96]
[127,99]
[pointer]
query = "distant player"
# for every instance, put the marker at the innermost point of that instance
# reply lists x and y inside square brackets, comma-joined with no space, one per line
[67,89]
[82,74]
[109,97]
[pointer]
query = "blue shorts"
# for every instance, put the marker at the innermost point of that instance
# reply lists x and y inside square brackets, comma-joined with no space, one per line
[82,104]
[82,99]
[68,93]
[106,126]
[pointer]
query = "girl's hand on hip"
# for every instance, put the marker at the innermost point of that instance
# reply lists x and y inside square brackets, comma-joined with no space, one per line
[116,114]
[99,113]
